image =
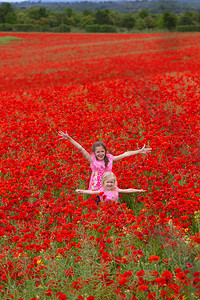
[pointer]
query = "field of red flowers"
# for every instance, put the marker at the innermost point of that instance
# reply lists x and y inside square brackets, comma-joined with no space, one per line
[127,90]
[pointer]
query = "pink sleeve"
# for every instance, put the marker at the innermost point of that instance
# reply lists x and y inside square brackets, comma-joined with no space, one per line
[110,157]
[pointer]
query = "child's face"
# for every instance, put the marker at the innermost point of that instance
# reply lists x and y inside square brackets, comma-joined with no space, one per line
[109,184]
[100,153]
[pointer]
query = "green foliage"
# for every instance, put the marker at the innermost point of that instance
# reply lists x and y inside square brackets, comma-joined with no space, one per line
[107,28]
[103,17]
[187,18]
[6,27]
[133,203]
[92,28]
[101,28]
[188,28]
[140,24]
[150,22]
[24,27]
[128,21]
[101,20]
[64,28]
[7,13]
[143,13]
[37,13]
[169,20]
[87,12]
[87,21]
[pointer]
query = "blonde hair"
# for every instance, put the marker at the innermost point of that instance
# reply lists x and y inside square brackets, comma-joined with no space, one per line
[108,175]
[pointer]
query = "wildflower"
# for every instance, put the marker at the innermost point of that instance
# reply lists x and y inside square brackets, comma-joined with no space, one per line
[76,285]
[154,258]
[189,266]
[166,261]
[61,296]
[140,273]
[160,281]
[69,272]
[177,270]
[167,274]
[143,288]
[49,292]
[123,281]
[163,294]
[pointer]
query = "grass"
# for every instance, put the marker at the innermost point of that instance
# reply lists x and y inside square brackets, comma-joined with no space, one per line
[8,39]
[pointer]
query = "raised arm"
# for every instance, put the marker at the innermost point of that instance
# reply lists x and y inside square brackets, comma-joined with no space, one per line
[77,145]
[130,191]
[88,192]
[143,150]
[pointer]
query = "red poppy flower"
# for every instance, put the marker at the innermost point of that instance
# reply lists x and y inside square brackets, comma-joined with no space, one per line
[143,288]
[140,273]
[61,296]
[154,258]
[49,292]
[167,274]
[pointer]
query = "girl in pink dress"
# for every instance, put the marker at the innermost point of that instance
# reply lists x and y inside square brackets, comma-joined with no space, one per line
[109,190]
[100,161]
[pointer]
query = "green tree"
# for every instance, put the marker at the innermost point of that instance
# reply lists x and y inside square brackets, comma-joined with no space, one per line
[196,17]
[42,21]
[87,12]
[140,24]
[69,12]
[150,22]
[7,13]
[168,20]
[36,13]
[52,20]
[128,21]
[143,13]
[103,17]
[117,18]
[21,17]
[87,21]
[187,18]
[11,18]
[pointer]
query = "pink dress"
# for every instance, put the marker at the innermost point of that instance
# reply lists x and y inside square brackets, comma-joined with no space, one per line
[110,195]
[98,169]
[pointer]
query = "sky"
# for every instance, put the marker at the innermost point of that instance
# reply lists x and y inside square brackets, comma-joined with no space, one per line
[1,1]
[54,0]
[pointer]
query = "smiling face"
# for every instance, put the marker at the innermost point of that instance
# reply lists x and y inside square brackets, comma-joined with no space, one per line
[100,153]
[109,181]
[109,184]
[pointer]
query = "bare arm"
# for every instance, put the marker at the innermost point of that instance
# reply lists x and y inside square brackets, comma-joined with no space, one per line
[143,150]
[126,191]
[88,192]
[77,145]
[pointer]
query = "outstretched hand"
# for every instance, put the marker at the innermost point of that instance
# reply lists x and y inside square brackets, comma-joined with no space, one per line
[145,150]
[64,135]
[78,191]
[142,191]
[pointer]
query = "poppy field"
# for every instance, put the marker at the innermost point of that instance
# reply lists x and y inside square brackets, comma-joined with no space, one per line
[126,90]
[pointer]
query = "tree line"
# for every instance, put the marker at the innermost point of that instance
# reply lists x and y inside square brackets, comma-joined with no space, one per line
[122,6]
[69,20]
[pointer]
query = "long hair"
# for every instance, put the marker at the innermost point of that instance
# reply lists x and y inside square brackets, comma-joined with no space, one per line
[98,144]
[109,175]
